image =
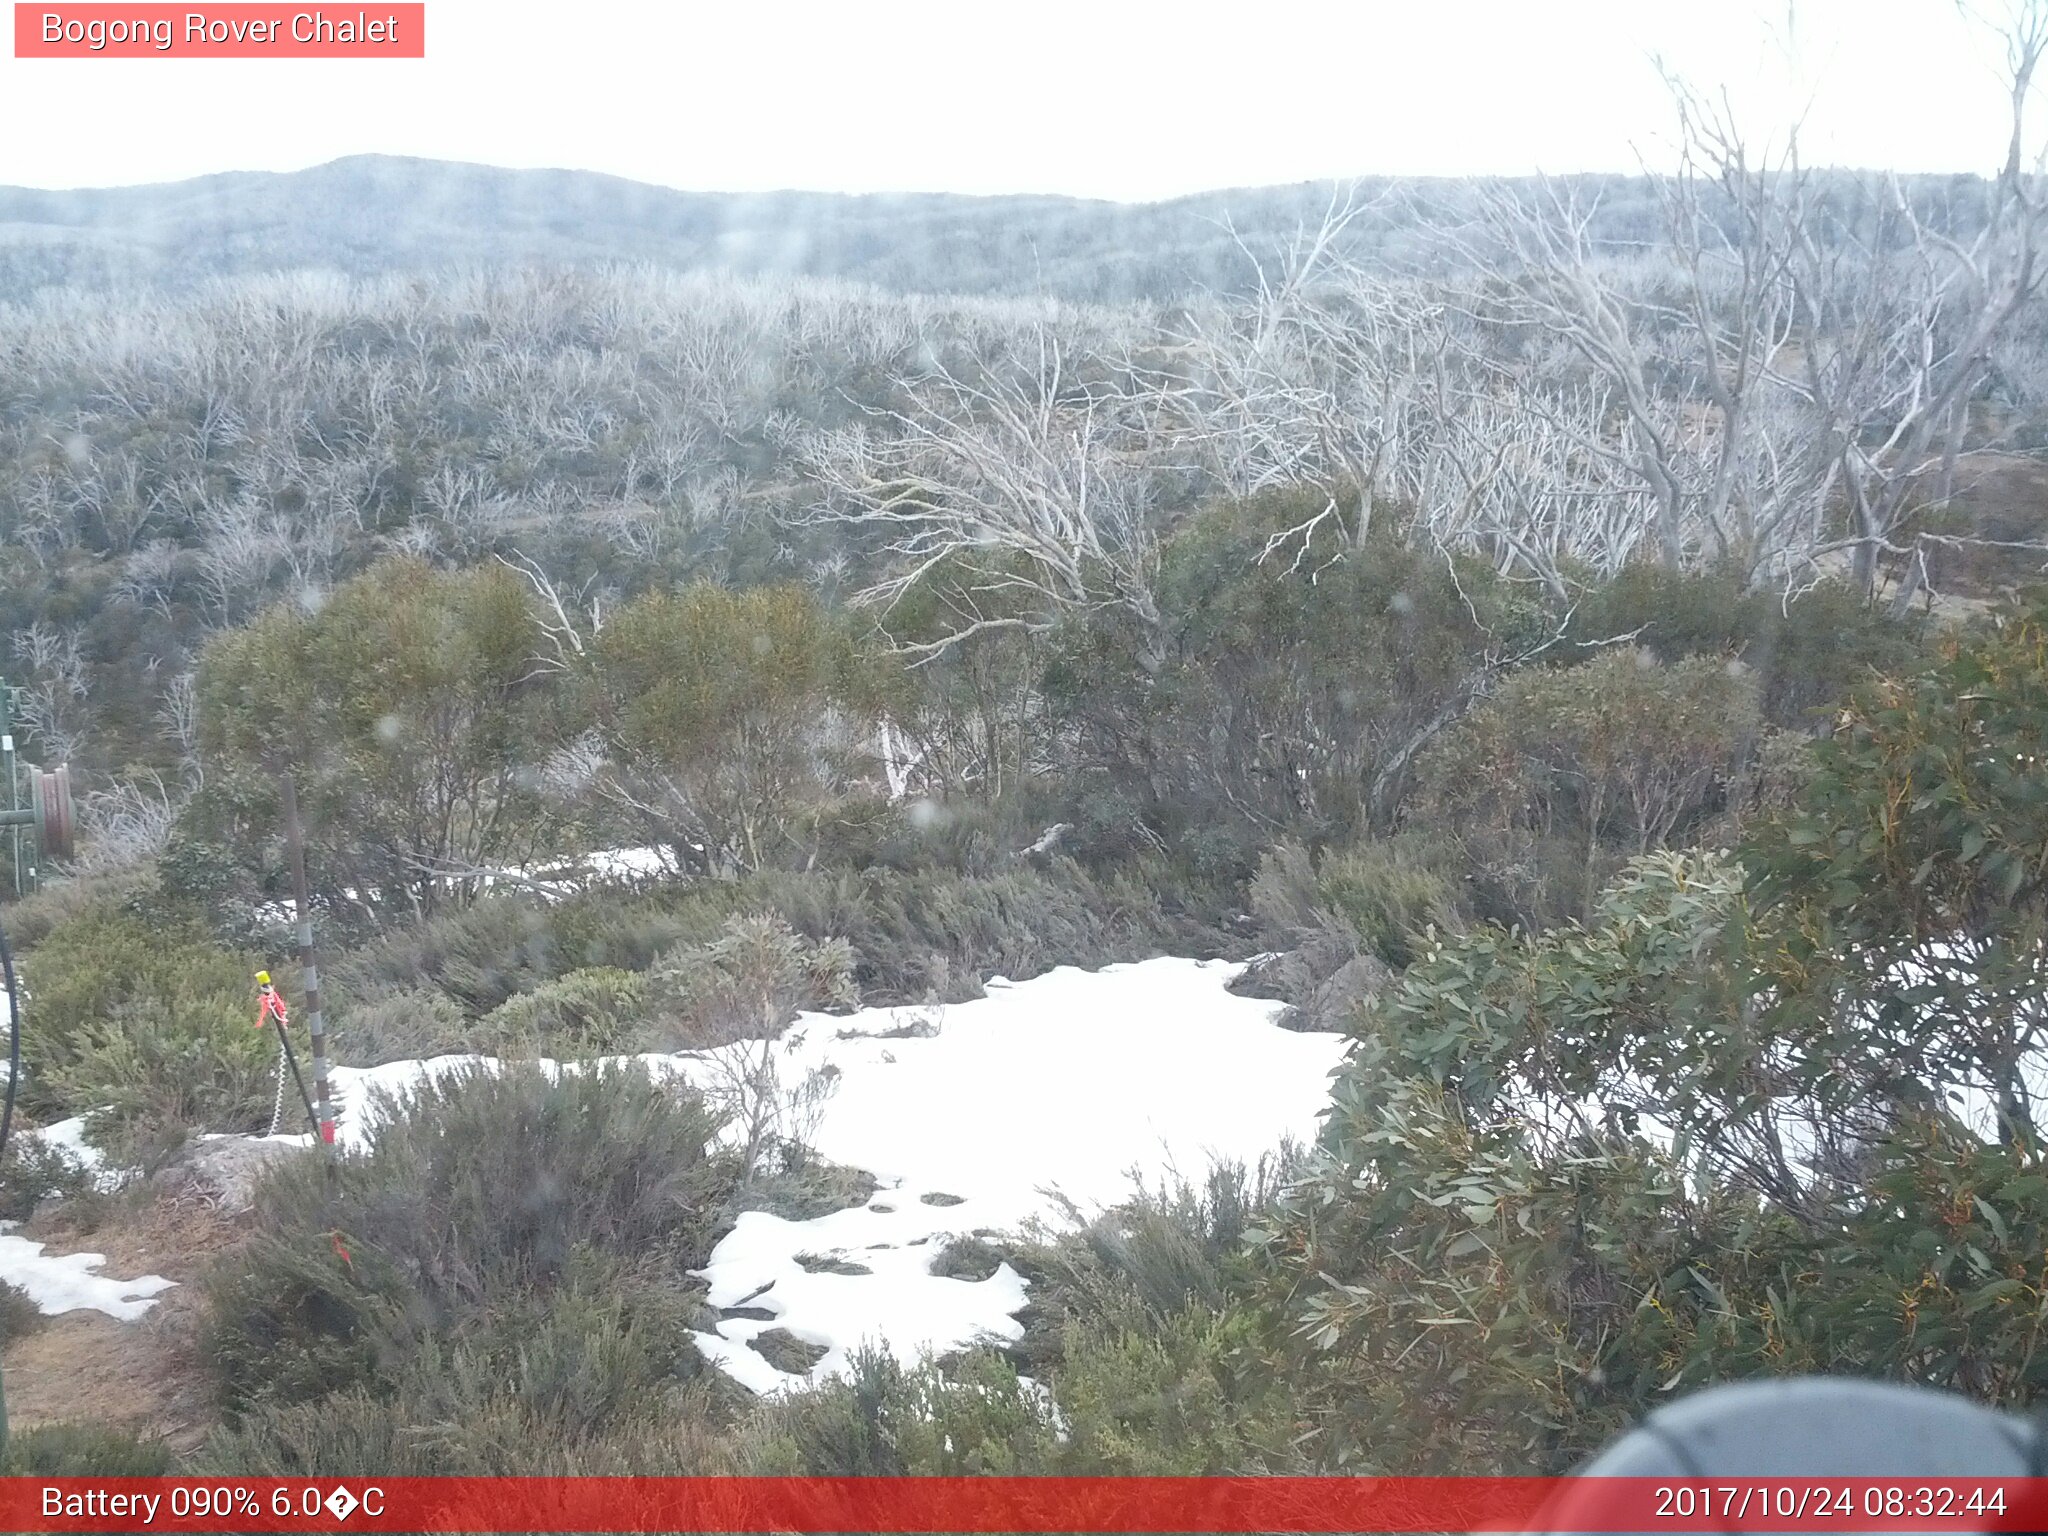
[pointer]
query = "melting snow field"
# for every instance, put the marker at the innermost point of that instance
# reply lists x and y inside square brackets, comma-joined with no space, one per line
[67,1283]
[1075,1084]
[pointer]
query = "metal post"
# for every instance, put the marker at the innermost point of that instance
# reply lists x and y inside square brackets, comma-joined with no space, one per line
[41,828]
[316,1030]
[23,878]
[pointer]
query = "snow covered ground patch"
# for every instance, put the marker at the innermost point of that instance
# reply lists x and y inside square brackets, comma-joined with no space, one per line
[67,1137]
[1075,1086]
[1075,1080]
[67,1282]
[899,1301]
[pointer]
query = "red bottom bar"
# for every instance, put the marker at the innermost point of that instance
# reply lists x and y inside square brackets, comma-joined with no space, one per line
[749,1506]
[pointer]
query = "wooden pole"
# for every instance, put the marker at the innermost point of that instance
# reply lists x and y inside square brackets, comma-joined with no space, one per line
[316,1030]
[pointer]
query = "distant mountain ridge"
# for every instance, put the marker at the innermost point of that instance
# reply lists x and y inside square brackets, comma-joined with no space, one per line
[371,214]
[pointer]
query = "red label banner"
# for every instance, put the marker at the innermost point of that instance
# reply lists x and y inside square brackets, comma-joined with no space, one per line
[224,31]
[1105,1505]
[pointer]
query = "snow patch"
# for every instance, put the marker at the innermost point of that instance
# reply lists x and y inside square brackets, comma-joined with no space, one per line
[67,1137]
[900,1305]
[68,1282]
[1072,1087]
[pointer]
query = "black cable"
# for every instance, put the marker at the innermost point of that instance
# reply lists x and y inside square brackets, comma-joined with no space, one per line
[292,1057]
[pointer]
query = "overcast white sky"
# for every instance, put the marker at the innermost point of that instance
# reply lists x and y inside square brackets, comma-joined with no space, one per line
[1126,99]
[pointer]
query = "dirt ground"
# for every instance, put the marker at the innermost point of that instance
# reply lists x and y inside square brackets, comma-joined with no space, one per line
[1998,496]
[144,1375]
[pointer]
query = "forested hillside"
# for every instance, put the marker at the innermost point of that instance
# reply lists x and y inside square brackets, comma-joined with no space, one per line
[371,215]
[1582,643]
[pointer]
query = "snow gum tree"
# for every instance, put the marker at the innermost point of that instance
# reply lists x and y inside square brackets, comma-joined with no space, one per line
[408,709]
[727,721]
[1757,1115]
[1565,771]
[1915,868]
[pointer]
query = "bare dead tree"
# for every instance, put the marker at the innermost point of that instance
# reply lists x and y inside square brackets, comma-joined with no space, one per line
[1498,662]
[563,632]
[1898,345]
[149,576]
[1030,486]
[125,824]
[178,718]
[239,548]
[1791,359]
[1313,381]
[1506,472]
[1539,267]
[51,705]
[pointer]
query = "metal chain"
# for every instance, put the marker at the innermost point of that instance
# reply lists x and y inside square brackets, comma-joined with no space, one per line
[277,1108]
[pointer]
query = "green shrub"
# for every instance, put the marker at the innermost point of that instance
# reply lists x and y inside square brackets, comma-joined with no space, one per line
[918,935]
[585,1013]
[1497,1257]
[742,991]
[136,1010]
[961,836]
[161,1074]
[909,930]
[1388,891]
[564,1377]
[1185,1395]
[486,1200]
[403,1026]
[1152,1257]
[19,1313]
[35,917]
[357,1434]
[417,730]
[1218,855]
[610,1337]
[748,984]
[1373,896]
[1566,771]
[1673,614]
[810,1189]
[1190,1394]
[735,717]
[626,930]
[890,1420]
[480,956]
[1287,899]
[84,1450]
[1806,654]
[967,1258]
[1288,673]
[35,1172]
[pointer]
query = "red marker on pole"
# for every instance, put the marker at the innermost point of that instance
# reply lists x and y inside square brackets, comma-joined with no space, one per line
[272,1006]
